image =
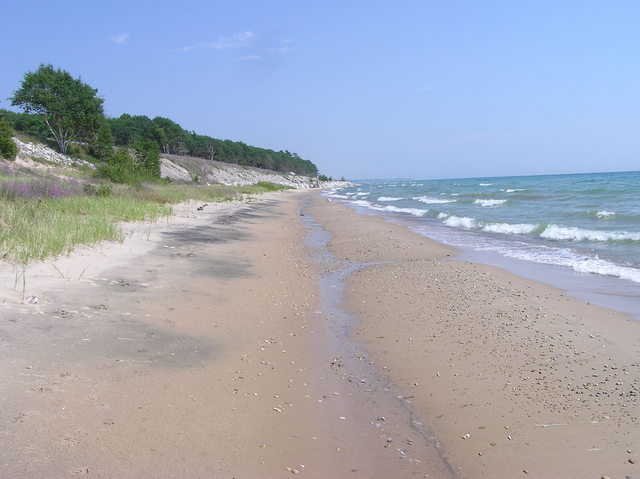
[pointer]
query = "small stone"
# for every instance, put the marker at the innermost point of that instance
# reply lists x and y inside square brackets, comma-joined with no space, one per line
[277,409]
[632,461]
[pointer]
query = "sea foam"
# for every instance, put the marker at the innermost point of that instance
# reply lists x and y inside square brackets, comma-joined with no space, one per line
[604,214]
[432,201]
[506,228]
[489,202]
[461,222]
[389,198]
[570,233]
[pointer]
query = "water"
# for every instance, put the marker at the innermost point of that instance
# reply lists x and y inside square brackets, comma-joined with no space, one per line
[588,223]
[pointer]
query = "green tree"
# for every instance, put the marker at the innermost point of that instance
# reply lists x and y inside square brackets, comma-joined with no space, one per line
[8,148]
[70,108]
[102,146]
[148,158]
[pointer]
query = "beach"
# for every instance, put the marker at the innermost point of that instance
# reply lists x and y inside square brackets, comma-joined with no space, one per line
[291,335]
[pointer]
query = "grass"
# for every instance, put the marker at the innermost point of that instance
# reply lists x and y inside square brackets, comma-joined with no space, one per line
[40,219]
[34,230]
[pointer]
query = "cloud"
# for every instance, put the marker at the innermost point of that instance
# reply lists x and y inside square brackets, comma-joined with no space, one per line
[238,40]
[248,58]
[183,49]
[120,38]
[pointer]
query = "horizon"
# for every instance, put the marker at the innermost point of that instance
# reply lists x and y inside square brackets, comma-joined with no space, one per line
[496,176]
[364,89]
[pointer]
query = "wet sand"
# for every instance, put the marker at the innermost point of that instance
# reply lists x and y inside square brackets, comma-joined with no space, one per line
[220,345]
[513,377]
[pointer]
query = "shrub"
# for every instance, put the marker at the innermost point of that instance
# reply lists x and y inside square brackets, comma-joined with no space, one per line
[8,148]
[120,169]
[100,190]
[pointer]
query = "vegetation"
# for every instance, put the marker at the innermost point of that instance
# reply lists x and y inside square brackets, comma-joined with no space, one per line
[43,216]
[8,149]
[57,105]
[69,108]
[171,138]
[39,229]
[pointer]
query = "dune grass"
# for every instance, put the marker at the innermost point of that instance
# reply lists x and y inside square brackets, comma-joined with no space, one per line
[34,230]
[37,221]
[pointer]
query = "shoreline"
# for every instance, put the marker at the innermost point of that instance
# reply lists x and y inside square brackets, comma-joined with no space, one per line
[220,345]
[511,373]
[609,292]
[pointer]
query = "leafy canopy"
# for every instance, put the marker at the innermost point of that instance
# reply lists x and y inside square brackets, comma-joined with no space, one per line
[70,108]
[8,148]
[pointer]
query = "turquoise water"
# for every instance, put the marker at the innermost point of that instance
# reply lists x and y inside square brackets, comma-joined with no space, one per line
[589,223]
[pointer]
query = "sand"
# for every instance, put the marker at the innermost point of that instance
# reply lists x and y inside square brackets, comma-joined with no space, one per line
[219,344]
[515,378]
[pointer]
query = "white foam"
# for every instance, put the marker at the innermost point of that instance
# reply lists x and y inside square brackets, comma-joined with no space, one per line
[389,198]
[361,203]
[486,184]
[506,228]
[604,214]
[556,232]
[394,209]
[442,216]
[336,195]
[489,202]
[461,222]
[362,193]
[513,190]
[432,201]
[598,266]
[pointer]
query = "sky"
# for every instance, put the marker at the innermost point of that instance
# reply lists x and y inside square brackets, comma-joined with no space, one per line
[364,89]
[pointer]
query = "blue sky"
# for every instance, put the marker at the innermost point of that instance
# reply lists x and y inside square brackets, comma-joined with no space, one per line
[365,89]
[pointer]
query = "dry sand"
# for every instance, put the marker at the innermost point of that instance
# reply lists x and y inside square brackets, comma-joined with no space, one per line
[215,346]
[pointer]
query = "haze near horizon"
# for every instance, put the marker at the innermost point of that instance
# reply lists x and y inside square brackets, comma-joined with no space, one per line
[363,89]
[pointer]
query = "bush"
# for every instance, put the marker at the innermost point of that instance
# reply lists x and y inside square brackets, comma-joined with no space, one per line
[8,148]
[101,190]
[120,169]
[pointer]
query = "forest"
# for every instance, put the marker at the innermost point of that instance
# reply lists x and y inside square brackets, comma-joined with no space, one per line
[63,110]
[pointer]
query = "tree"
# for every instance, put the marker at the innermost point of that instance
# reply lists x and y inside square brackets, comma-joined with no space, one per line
[102,146]
[70,108]
[8,148]
[148,158]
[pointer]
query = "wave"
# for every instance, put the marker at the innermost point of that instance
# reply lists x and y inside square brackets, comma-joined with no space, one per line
[570,233]
[389,208]
[362,193]
[336,195]
[513,190]
[389,198]
[485,184]
[604,214]
[490,202]
[432,201]
[506,228]
[460,221]
[394,209]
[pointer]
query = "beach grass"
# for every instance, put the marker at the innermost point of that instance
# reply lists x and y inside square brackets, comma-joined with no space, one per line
[32,230]
[41,219]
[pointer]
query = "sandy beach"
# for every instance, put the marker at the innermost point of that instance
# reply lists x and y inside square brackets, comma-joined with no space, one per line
[233,342]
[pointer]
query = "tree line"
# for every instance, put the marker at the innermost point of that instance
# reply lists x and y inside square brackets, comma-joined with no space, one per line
[62,108]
